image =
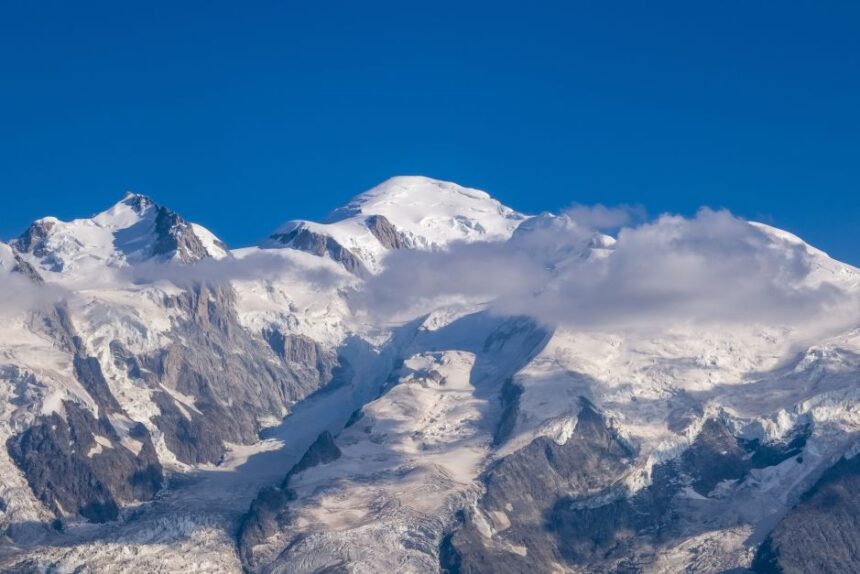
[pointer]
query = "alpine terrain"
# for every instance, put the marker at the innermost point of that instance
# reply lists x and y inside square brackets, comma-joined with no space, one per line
[427,381]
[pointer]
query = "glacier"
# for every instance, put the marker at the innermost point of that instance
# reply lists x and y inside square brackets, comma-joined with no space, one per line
[427,381]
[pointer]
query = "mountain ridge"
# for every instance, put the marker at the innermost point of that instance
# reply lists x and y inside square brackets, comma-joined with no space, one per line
[522,397]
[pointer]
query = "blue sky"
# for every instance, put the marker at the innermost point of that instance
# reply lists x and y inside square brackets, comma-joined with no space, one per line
[241,115]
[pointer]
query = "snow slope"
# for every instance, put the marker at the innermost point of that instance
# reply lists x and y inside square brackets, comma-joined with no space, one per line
[446,426]
[426,213]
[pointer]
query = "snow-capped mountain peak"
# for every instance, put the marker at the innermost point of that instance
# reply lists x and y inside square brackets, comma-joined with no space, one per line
[134,229]
[436,211]
[125,212]
[411,212]
[561,400]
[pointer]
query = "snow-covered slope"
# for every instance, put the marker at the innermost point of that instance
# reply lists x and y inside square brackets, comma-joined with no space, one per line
[132,231]
[406,212]
[126,353]
[655,401]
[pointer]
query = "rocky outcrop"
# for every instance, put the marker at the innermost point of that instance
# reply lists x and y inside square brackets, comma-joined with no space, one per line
[234,377]
[764,454]
[300,352]
[511,528]
[385,232]
[193,437]
[89,373]
[557,507]
[822,533]
[322,451]
[714,456]
[510,400]
[270,512]
[174,237]
[78,465]
[303,239]
[77,462]
[27,270]
[33,239]
[268,515]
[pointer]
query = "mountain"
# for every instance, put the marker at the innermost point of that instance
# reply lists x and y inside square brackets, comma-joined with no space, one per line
[400,213]
[132,231]
[679,396]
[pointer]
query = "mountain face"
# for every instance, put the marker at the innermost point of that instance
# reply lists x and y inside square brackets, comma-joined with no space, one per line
[401,213]
[428,381]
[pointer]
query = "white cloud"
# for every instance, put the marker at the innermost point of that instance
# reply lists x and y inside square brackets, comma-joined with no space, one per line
[713,267]
[19,293]
[600,217]
[257,265]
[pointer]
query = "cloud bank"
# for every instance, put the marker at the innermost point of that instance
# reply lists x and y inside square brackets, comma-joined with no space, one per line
[256,265]
[19,293]
[713,267]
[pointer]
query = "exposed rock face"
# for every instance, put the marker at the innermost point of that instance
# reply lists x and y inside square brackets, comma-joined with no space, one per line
[89,373]
[714,456]
[175,236]
[191,436]
[234,377]
[770,454]
[78,465]
[322,451]
[24,268]
[299,351]
[385,232]
[822,533]
[526,497]
[551,507]
[510,399]
[138,202]
[269,513]
[33,240]
[304,239]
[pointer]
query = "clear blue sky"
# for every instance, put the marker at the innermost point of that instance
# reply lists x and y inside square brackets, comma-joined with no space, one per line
[243,114]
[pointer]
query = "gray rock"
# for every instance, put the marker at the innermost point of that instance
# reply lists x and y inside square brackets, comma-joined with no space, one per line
[192,437]
[561,503]
[88,371]
[33,239]
[27,270]
[299,351]
[510,399]
[303,239]
[235,377]
[385,232]
[322,451]
[270,512]
[771,454]
[528,488]
[822,533]
[54,455]
[175,237]
[714,456]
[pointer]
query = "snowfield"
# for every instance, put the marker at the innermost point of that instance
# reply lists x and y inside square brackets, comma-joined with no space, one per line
[426,361]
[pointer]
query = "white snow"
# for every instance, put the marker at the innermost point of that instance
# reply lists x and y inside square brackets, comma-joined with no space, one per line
[416,455]
[430,214]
